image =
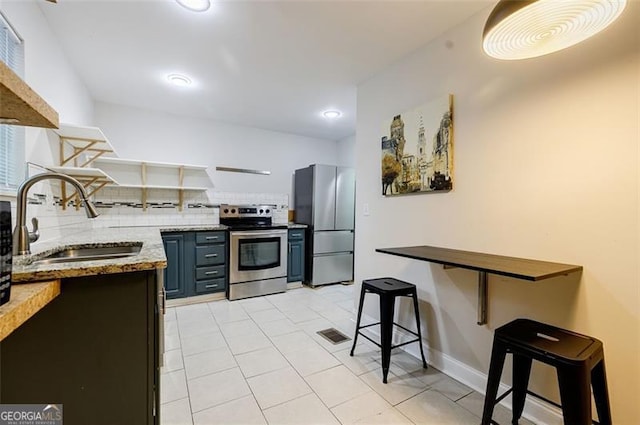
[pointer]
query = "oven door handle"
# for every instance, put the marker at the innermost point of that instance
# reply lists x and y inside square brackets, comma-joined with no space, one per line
[252,233]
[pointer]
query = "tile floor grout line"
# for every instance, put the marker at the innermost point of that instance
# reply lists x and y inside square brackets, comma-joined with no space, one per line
[304,302]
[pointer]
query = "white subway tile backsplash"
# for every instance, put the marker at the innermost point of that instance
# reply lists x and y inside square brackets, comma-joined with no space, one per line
[122,207]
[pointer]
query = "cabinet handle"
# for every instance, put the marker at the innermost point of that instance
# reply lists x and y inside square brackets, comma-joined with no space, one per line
[210,255]
[211,286]
[210,273]
[211,238]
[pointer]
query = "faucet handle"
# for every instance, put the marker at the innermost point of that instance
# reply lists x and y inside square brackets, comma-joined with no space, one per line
[35,235]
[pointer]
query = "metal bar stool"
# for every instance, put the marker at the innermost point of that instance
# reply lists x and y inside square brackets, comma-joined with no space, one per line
[578,359]
[388,289]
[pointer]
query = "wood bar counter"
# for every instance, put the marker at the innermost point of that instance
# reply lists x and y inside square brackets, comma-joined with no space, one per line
[519,268]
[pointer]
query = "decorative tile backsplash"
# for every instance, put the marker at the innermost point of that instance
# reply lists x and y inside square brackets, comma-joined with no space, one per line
[123,207]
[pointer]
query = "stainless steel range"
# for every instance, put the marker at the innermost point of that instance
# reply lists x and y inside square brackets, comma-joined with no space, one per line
[258,251]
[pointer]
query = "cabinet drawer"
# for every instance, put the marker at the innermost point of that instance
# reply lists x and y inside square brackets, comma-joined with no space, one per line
[210,272]
[208,255]
[296,234]
[210,237]
[212,285]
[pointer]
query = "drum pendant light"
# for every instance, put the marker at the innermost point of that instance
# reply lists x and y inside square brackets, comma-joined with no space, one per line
[521,29]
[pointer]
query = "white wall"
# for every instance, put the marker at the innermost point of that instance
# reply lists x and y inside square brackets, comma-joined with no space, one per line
[346,151]
[49,73]
[546,167]
[157,136]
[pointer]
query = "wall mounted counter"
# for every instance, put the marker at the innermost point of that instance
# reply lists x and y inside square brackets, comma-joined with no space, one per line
[519,268]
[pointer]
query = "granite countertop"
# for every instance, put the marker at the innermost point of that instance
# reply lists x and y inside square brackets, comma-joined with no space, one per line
[25,301]
[191,227]
[151,255]
[296,226]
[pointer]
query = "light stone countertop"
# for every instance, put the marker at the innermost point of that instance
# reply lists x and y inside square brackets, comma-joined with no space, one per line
[25,301]
[150,257]
[296,226]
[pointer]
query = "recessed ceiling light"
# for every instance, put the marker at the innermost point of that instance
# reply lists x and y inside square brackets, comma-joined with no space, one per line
[195,5]
[331,114]
[179,80]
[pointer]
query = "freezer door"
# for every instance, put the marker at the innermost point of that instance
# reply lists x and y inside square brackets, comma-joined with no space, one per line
[324,197]
[303,195]
[345,198]
[332,268]
[332,241]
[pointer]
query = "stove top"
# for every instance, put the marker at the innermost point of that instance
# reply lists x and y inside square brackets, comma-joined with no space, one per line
[248,217]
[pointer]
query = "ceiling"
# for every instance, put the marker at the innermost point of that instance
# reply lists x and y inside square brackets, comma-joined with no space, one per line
[275,65]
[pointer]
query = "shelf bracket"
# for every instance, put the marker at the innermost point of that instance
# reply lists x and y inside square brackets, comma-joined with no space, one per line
[482,297]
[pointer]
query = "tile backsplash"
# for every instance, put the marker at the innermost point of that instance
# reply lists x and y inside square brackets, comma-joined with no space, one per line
[123,207]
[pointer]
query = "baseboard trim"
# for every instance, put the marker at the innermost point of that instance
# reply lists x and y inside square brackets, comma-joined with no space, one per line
[177,302]
[535,410]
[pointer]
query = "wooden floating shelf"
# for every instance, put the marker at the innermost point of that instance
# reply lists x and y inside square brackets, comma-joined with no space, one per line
[125,161]
[151,187]
[21,103]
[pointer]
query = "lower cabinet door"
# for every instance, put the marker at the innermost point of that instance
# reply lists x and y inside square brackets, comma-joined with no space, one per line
[295,262]
[174,273]
[208,286]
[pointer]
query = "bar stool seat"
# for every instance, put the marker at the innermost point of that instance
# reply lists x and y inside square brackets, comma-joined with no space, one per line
[579,363]
[388,289]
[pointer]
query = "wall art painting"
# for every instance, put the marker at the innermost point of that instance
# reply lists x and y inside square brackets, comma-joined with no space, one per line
[417,150]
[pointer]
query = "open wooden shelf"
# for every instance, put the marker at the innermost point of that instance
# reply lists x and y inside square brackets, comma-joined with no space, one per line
[152,175]
[82,145]
[21,103]
[137,162]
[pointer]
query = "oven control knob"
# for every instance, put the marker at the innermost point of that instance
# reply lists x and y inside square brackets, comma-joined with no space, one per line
[226,210]
[261,211]
[233,210]
[267,211]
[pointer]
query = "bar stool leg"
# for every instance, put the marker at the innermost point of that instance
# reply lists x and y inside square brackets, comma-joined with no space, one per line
[387,306]
[498,354]
[575,394]
[521,372]
[355,337]
[417,313]
[600,393]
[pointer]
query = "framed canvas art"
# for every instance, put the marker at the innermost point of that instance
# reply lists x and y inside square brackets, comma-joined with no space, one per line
[417,150]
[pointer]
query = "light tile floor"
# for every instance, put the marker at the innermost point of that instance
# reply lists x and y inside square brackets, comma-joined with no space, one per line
[260,361]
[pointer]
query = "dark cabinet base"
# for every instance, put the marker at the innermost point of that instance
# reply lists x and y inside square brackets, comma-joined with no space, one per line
[94,349]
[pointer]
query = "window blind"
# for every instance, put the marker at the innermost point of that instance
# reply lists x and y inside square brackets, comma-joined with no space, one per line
[12,140]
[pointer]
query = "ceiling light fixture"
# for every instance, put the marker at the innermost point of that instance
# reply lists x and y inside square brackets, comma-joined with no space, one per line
[179,80]
[332,114]
[195,5]
[521,29]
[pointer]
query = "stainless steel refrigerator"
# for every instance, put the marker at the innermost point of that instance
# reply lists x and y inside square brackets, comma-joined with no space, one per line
[324,199]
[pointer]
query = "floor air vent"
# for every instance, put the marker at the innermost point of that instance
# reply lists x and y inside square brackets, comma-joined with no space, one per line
[333,335]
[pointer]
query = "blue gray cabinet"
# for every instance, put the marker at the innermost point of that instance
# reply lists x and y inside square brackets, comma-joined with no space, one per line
[174,274]
[211,260]
[295,257]
[196,263]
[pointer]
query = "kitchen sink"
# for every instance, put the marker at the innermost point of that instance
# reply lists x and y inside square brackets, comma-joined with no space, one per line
[93,253]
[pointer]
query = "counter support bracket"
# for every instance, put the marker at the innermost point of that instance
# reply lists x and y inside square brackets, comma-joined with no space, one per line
[482,298]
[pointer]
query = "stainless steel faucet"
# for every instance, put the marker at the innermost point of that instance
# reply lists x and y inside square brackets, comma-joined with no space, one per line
[22,238]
